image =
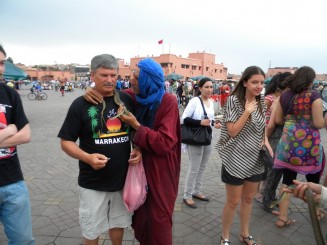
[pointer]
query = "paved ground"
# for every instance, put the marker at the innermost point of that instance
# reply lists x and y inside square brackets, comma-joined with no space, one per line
[51,178]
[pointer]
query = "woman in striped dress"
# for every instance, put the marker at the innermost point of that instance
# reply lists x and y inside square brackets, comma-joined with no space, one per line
[242,136]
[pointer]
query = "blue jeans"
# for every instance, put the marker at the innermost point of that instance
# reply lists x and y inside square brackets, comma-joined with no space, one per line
[15,213]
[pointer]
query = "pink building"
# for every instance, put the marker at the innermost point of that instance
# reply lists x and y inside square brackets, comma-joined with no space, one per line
[46,76]
[276,70]
[273,71]
[197,64]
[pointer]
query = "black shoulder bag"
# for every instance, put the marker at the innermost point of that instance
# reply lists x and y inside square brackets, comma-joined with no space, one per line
[197,135]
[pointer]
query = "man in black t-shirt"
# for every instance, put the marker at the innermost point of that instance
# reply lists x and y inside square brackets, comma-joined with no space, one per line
[15,211]
[104,153]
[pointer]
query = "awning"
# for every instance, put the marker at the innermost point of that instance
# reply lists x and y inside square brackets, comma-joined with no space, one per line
[13,72]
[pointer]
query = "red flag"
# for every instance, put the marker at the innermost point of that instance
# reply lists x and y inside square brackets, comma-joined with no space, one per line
[160,41]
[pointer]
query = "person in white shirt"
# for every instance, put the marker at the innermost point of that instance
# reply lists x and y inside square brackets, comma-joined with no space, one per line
[198,154]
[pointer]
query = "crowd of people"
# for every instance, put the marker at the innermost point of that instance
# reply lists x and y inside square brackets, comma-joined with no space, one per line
[186,89]
[286,120]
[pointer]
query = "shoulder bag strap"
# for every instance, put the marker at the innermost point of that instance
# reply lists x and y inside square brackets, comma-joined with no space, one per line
[204,111]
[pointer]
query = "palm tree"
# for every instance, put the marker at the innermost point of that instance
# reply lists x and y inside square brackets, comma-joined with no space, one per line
[93,112]
[94,123]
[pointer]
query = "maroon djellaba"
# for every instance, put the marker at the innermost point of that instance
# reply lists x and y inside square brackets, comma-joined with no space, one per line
[157,126]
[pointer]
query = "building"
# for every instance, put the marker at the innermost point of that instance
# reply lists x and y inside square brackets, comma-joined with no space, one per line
[273,71]
[197,64]
[276,70]
[48,75]
[82,73]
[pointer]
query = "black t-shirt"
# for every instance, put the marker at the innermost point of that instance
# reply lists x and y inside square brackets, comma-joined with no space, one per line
[97,133]
[11,112]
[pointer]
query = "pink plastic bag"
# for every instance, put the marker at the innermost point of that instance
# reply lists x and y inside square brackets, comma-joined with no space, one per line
[135,188]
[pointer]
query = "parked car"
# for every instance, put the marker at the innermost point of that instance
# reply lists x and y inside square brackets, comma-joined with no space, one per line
[46,86]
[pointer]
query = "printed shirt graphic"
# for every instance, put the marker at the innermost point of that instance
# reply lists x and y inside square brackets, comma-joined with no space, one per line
[109,126]
[10,151]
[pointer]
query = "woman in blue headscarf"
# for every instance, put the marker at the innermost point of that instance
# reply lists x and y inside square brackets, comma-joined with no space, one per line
[157,133]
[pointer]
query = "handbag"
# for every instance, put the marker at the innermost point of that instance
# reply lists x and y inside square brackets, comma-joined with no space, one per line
[265,158]
[136,188]
[197,135]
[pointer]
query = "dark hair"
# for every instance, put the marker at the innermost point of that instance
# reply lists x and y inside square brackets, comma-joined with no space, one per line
[301,80]
[2,50]
[277,82]
[239,90]
[201,83]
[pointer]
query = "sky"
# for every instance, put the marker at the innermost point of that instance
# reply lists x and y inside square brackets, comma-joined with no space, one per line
[241,33]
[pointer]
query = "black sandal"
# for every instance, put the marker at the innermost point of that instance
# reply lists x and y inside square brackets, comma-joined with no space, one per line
[247,239]
[224,241]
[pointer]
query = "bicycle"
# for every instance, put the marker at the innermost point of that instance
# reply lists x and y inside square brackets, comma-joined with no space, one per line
[37,96]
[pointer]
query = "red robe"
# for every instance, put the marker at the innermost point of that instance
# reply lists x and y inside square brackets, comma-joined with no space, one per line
[161,152]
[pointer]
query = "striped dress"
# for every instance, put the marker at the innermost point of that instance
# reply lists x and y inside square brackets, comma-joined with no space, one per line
[240,155]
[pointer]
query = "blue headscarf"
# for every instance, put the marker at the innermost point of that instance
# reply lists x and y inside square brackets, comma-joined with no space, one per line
[151,85]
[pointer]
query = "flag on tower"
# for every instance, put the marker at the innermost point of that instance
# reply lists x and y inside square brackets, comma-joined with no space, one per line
[160,41]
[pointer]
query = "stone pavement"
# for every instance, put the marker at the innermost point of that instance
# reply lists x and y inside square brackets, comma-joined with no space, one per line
[52,180]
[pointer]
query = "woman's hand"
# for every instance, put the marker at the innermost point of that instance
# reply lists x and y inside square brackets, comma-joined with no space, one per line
[92,96]
[206,122]
[271,152]
[217,124]
[251,106]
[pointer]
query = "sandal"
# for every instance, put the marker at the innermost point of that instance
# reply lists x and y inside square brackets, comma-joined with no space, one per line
[224,241]
[321,214]
[249,240]
[285,223]
[273,210]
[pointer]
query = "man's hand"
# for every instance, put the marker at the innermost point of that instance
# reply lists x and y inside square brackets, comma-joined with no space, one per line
[301,187]
[12,129]
[97,161]
[92,96]
[135,156]
[130,120]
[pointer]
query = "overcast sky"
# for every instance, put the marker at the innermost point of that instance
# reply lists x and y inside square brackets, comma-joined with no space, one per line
[239,32]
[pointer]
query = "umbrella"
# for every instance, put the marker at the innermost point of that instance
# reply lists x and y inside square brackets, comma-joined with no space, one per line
[173,76]
[13,72]
[200,77]
[267,81]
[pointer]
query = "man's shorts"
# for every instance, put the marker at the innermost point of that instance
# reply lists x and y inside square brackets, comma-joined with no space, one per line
[100,211]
